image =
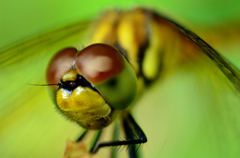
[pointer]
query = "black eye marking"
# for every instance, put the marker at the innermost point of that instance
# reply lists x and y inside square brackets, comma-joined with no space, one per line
[112,82]
[71,85]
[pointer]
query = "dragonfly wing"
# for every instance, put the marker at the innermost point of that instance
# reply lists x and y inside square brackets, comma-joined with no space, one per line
[196,106]
[29,122]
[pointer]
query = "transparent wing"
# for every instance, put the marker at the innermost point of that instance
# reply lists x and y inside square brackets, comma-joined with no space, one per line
[30,125]
[194,110]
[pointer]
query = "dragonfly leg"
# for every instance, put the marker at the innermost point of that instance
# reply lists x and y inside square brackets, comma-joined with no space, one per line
[134,135]
[130,131]
[115,137]
[82,136]
[96,140]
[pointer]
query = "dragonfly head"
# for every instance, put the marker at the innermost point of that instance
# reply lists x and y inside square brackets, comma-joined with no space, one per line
[92,84]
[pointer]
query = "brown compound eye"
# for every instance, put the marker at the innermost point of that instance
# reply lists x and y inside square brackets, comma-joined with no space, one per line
[59,64]
[99,62]
[74,96]
[110,73]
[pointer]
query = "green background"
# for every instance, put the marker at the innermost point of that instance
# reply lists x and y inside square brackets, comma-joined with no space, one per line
[23,18]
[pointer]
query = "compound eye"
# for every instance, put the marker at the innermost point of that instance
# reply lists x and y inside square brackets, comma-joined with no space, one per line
[110,73]
[99,62]
[59,64]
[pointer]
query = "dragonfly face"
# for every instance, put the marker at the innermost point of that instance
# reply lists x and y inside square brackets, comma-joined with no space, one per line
[81,93]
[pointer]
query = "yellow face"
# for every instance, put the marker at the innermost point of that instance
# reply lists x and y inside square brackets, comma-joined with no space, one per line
[83,79]
[82,104]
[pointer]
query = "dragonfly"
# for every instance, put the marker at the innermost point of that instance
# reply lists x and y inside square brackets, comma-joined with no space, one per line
[140,47]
